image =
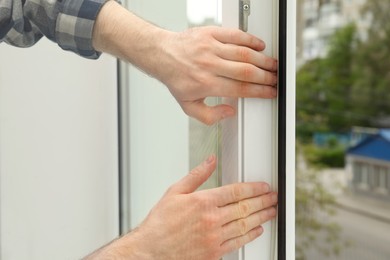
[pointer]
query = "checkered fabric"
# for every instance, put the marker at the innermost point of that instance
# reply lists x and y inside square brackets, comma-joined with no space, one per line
[67,22]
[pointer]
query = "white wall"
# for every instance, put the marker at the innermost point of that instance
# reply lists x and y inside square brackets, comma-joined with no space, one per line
[58,153]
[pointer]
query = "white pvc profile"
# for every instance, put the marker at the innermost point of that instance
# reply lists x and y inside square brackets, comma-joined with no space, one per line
[290,128]
[250,141]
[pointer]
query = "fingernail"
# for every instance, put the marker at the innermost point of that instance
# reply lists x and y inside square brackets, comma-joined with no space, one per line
[259,230]
[271,212]
[262,43]
[274,198]
[266,187]
[210,159]
[227,113]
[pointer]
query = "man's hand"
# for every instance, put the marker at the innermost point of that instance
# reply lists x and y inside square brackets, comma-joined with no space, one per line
[194,64]
[215,62]
[189,224]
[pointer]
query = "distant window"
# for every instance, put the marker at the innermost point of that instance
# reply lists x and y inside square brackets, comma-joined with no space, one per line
[374,177]
[310,22]
[364,182]
[383,175]
[357,172]
[388,178]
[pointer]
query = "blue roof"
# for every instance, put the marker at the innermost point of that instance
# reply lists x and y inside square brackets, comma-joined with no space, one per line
[375,147]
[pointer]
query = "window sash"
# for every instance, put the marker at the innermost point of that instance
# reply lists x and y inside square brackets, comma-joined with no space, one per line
[259,145]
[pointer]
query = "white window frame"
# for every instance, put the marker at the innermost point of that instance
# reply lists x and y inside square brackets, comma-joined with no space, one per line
[261,139]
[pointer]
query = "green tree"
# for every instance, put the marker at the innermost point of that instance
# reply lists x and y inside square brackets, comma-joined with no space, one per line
[371,88]
[310,100]
[338,77]
[325,86]
[314,212]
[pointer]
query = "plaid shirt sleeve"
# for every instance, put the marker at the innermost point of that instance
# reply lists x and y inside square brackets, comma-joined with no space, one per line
[67,22]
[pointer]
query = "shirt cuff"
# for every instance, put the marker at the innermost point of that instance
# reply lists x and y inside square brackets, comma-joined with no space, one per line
[74,27]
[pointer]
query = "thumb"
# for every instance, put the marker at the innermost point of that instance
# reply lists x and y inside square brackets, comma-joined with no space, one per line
[208,115]
[195,178]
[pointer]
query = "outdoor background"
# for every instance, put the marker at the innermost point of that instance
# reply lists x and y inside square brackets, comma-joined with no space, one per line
[343,141]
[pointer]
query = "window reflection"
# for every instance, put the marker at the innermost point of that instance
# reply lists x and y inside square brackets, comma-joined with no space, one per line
[204,140]
[201,12]
[343,122]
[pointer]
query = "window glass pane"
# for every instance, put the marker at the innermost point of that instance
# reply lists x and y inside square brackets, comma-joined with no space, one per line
[204,140]
[164,143]
[343,117]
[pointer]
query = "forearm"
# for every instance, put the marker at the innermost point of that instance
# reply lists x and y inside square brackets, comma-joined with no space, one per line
[127,247]
[126,36]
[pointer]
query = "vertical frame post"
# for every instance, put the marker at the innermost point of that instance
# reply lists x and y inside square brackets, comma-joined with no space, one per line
[259,144]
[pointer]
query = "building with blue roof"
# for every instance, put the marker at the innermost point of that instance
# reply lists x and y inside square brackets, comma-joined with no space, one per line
[368,164]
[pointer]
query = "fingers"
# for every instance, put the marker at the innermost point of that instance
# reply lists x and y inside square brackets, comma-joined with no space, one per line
[207,114]
[241,227]
[247,207]
[237,37]
[249,65]
[247,55]
[242,72]
[234,193]
[234,88]
[244,219]
[238,242]
[195,178]
[246,72]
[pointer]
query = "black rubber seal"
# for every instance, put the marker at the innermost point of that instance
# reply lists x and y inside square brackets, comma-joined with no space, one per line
[282,130]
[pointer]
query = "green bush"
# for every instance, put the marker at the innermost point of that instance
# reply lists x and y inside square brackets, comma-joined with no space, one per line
[333,156]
